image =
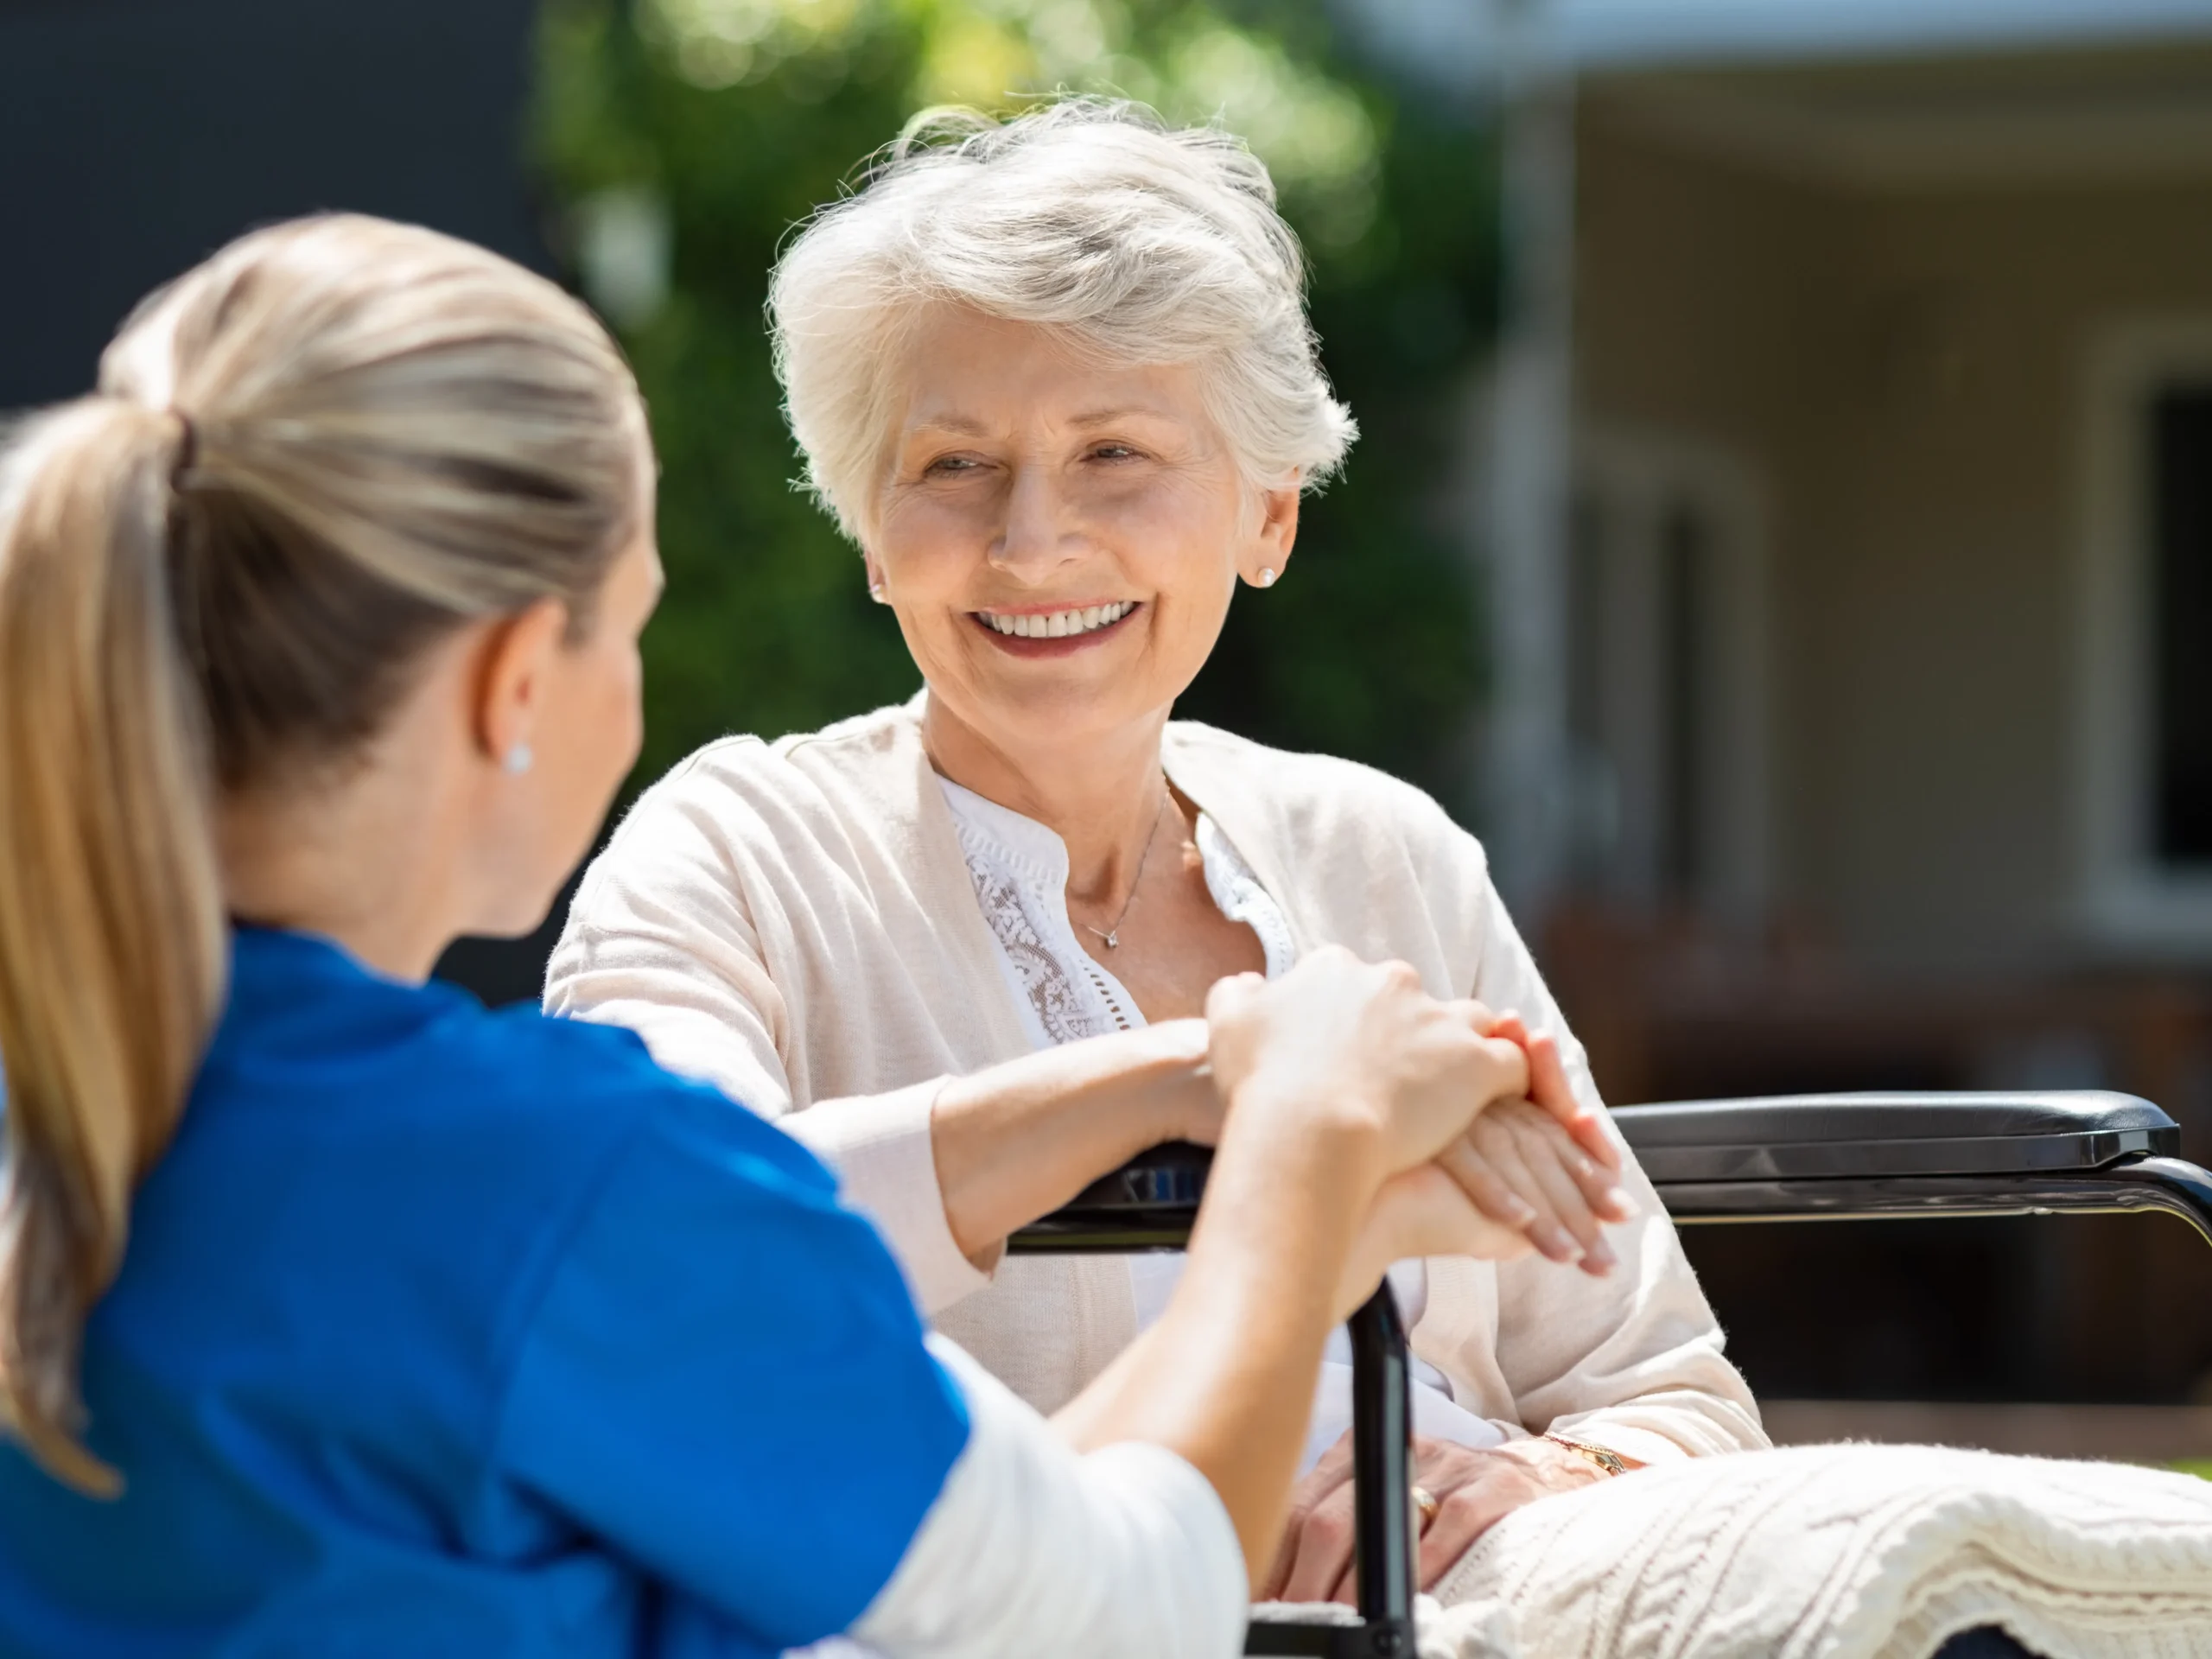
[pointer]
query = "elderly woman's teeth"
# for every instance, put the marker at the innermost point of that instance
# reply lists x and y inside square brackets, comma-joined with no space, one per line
[1058,625]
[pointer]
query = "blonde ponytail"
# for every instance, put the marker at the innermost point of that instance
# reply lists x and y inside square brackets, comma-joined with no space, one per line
[389,433]
[111,944]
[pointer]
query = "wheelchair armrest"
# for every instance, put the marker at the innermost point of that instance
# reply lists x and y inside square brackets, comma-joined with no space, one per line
[1817,1137]
[1148,1203]
[1709,1158]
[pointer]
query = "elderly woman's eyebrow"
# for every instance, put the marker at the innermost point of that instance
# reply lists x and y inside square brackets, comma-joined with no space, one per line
[959,425]
[1122,412]
[964,426]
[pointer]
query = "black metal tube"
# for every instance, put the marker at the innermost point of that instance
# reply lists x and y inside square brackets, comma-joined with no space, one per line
[1382,1447]
[2167,1185]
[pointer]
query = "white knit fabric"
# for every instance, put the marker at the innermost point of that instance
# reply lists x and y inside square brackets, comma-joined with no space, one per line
[1842,1552]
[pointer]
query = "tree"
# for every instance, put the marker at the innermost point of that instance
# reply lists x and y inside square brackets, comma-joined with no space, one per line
[716,125]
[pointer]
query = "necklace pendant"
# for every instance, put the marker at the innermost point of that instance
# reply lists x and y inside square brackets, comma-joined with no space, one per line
[1113,940]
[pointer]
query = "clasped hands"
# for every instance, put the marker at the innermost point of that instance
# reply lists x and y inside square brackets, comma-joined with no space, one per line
[1486,1151]
[1482,1150]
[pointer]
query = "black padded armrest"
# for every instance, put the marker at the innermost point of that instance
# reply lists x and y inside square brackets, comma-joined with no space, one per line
[1146,1205]
[1714,1159]
[1814,1137]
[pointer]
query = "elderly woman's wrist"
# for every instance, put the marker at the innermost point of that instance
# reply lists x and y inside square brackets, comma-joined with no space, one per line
[1185,1105]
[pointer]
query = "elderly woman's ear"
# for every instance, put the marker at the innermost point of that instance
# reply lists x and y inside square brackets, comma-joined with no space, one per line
[1264,560]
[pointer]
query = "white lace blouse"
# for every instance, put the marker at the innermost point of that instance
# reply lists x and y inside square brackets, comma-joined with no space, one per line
[1020,868]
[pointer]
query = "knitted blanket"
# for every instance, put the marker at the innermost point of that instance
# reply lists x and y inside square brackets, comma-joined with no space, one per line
[1843,1552]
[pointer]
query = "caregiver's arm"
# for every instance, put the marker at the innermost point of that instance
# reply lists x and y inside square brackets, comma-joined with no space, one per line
[1342,1080]
[706,1431]
[1084,1544]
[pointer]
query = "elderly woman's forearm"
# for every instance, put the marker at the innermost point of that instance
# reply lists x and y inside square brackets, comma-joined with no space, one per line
[1017,1141]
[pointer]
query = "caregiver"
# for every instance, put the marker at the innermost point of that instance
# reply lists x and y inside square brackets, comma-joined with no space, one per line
[340,1316]
[1055,379]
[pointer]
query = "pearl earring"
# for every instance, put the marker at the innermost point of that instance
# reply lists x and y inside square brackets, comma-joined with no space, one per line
[519,759]
[875,593]
[1267,576]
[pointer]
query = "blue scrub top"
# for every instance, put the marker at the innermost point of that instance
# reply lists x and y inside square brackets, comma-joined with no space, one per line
[443,1331]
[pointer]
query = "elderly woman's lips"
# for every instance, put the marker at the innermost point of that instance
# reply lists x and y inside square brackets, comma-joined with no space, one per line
[1054,634]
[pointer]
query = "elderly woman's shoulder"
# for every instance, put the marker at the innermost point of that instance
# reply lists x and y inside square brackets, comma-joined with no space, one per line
[744,785]
[1317,795]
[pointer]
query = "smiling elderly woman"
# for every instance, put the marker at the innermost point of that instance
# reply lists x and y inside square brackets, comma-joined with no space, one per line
[1055,379]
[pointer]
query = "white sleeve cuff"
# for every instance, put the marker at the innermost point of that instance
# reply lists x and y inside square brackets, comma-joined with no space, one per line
[880,1147]
[1125,1553]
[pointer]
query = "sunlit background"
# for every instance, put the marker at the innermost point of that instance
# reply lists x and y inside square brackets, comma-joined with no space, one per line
[1783,525]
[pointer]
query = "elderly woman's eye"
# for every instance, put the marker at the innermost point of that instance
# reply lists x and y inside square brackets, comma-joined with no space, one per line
[1113,452]
[946,465]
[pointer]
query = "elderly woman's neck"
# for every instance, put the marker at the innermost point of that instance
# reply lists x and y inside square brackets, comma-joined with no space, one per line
[1100,795]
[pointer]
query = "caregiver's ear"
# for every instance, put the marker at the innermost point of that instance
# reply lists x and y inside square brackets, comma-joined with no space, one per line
[514,664]
[1267,550]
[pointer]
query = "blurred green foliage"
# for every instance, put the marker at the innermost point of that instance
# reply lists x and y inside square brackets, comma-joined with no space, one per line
[734,118]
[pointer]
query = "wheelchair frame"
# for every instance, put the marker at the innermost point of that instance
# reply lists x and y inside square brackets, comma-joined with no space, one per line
[1792,1158]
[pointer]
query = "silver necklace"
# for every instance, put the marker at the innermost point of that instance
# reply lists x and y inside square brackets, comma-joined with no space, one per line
[1113,935]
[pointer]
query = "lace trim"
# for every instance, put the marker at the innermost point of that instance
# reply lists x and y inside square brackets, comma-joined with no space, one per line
[1061,1008]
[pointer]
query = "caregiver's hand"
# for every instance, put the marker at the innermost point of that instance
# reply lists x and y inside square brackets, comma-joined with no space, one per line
[1363,1044]
[1474,1491]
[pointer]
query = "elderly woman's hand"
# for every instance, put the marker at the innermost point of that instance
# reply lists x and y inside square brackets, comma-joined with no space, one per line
[1528,1165]
[1422,1212]
[1474,1490]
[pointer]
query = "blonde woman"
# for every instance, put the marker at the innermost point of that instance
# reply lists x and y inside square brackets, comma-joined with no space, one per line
[1055,380]
[338,1315]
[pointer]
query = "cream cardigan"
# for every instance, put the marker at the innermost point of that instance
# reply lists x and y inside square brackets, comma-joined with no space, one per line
[794,922]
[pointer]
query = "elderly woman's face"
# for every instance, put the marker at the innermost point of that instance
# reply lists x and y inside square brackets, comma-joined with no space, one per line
[1060,541]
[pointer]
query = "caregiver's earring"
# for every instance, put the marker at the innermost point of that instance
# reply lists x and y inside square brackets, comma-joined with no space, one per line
[1267,576]
[519,759]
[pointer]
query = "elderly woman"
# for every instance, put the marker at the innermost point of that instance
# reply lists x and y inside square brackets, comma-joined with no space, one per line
[1055,380]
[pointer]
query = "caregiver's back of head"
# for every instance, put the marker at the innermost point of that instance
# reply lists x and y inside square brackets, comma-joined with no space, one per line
[307,462]
[338,1313]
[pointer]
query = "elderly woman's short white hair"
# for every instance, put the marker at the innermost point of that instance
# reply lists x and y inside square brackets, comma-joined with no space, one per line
[1138,244]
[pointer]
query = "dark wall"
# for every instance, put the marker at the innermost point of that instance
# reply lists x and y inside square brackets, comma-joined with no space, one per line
[138,136]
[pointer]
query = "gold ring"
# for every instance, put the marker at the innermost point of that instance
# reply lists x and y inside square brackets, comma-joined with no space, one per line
[1425,1503]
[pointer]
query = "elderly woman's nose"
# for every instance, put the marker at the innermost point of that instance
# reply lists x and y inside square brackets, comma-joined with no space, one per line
[1033,530]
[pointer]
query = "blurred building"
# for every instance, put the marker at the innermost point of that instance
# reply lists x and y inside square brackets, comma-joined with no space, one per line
[1848,484]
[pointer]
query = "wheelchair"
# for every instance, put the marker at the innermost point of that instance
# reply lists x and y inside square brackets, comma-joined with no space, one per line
[1863,1157]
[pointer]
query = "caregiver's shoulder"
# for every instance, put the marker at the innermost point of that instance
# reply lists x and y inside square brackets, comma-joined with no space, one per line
[554,1102]
[603,1074]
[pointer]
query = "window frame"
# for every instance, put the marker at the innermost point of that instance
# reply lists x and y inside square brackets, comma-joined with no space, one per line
[2128,898]
[1633,478]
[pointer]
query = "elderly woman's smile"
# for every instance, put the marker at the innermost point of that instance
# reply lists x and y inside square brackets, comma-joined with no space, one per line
[1047,631]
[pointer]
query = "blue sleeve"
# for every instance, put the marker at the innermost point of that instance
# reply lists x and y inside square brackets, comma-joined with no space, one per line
[724,1380]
